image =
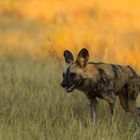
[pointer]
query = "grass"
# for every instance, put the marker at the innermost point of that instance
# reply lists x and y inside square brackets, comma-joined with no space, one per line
[33,106]
[32,103]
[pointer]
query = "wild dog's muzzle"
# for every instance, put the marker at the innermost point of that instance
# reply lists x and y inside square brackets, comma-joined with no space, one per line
[71,87]
[68,89]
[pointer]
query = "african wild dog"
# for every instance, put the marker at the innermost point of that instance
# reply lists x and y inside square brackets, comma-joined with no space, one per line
[101,80]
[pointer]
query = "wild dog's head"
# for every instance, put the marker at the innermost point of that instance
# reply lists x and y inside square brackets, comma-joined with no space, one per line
[74,74]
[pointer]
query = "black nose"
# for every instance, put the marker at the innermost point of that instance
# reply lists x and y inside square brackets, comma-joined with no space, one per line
[63,84]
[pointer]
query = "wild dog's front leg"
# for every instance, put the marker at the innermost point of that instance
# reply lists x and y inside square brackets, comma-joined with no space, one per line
[93,103]
[133,91]
[112,106]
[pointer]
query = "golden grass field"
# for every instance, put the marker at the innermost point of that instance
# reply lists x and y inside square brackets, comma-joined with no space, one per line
[32,103]
[33,106]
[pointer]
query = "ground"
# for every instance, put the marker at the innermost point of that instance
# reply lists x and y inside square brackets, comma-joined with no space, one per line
[32,103]
[34,106]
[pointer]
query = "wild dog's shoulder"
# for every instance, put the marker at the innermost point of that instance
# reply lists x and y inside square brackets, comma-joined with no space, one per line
[103,65]
[104,68]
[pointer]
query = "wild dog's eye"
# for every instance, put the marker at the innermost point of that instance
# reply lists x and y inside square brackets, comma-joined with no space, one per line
[73,75]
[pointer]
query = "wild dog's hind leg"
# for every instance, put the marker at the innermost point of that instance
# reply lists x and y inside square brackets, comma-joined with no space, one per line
[123,97]
[132,104]
[93,103]
[133,90]
[112,106]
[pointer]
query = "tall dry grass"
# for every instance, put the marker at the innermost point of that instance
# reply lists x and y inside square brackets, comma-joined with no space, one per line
[32,102]
[34,106]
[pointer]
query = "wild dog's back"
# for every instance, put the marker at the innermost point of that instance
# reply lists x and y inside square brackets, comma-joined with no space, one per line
[118,74]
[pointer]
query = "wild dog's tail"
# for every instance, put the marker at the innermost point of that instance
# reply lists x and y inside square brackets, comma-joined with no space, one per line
[134,74]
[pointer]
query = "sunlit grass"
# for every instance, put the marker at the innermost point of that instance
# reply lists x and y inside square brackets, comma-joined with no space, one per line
[34,106]
[32,102]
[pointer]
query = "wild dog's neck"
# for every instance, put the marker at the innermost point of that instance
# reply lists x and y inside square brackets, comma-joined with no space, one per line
[90,76]
[91,72]
[96,81]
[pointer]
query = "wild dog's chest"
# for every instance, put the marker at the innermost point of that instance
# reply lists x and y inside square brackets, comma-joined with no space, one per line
[111,79]
[99,89]
[103,86]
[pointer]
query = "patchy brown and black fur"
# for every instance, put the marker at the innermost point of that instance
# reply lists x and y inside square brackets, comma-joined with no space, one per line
[101,80]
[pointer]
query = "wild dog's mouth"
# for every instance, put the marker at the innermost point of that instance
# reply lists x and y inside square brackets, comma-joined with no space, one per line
[70,89]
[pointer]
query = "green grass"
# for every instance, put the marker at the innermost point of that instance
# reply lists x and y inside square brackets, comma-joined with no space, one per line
[33,106]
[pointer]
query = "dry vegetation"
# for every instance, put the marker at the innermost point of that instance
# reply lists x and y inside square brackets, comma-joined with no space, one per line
[33,104]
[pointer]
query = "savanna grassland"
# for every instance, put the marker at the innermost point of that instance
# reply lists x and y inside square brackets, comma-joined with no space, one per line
[33,106]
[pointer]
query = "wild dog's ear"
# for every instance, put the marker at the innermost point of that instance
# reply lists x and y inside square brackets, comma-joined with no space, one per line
[82,58]
[68,56]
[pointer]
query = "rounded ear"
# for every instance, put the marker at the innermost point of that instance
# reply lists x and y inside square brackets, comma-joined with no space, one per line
[68,56]
[82,58]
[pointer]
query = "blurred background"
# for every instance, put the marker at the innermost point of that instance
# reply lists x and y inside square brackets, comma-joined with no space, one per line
[109,29]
